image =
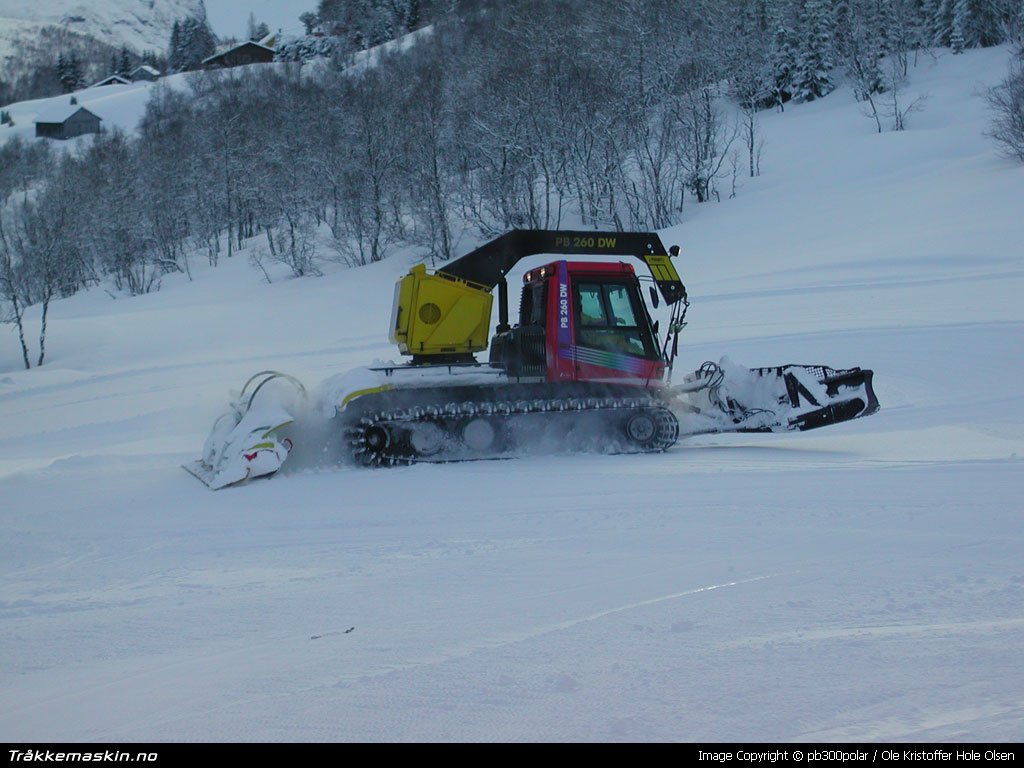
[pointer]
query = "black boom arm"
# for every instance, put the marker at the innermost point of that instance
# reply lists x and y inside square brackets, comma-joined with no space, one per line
[488,264]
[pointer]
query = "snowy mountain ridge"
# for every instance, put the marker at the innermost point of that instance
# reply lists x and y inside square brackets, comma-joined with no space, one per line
[33,36]
[139,24]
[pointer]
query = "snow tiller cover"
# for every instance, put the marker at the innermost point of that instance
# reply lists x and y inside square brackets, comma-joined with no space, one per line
[246,441]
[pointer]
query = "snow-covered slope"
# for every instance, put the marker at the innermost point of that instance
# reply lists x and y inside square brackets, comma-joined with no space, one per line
[118,106]
[122,106]
[863,582]
[139,24]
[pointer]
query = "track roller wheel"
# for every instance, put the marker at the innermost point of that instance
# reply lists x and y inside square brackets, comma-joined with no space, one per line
[480,434]
[651,429]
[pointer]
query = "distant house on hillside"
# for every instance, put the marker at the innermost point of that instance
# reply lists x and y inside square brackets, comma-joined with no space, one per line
[243,53]
[112,80]
[65,122]
[145,72]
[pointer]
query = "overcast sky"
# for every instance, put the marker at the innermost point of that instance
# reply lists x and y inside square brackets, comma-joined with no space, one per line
[228,17]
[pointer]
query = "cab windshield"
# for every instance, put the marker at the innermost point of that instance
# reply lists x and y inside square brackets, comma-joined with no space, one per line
[608,319]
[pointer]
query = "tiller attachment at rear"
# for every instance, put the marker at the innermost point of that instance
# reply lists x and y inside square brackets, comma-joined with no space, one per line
[725,397]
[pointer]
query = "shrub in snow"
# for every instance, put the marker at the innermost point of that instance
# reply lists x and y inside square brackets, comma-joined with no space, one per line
[1007,102]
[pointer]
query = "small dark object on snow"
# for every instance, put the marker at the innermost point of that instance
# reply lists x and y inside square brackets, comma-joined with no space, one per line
[327,634]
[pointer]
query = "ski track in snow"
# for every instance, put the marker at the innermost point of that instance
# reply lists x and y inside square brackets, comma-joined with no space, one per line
[857,583]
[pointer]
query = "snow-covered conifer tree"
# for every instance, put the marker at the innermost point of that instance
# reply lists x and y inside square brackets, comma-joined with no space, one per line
[814,61]
[940,21]
[959,27]
[174,52]
[124,62]
[783,60]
